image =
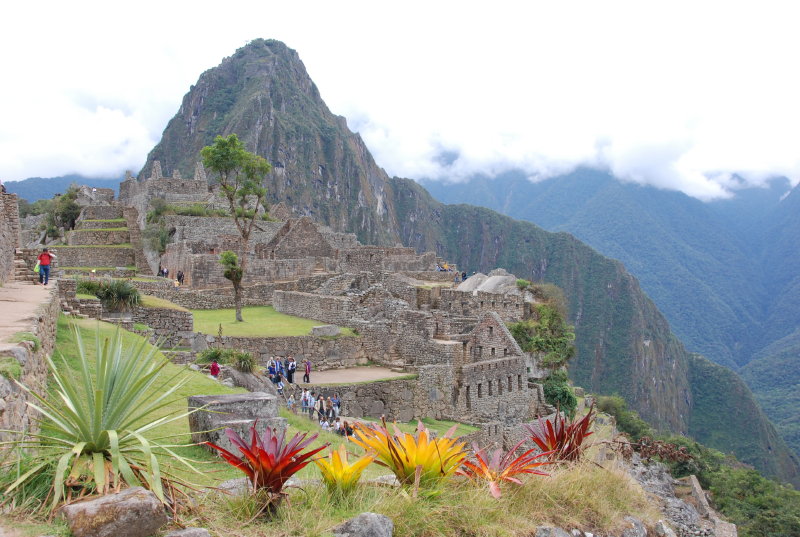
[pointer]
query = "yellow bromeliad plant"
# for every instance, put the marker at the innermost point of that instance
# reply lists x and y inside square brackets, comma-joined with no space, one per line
[340,476]
[407,455]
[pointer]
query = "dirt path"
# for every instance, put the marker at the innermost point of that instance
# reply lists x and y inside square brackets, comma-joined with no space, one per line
[18,302]
[351,375]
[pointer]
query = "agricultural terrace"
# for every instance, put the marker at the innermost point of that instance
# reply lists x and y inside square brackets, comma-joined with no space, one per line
[259,321]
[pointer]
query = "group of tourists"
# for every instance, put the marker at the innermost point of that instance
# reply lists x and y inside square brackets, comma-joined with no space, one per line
[278,370]
[178,276]
[323,409]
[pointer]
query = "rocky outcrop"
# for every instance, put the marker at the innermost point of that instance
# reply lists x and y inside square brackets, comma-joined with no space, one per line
[366,525]
[134,512]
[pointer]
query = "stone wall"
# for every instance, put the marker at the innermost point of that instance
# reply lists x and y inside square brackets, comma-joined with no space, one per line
[97,237]
[511,308]
[101,212]
[393,399]
[340,310]
[143,265]
[14,412]
[93,256]
[170,326]
[376,258]
[9,235]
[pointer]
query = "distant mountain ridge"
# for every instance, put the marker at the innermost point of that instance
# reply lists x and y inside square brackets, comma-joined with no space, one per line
[724,273]
[39,188]
[321,169]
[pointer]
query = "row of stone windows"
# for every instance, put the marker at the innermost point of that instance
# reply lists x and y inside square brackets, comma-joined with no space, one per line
[477,351]
[499,384]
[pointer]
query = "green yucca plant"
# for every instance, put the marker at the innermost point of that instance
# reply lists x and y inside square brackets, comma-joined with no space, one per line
[93,425]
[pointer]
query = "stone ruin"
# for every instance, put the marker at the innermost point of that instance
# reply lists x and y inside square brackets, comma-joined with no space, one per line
[408,315]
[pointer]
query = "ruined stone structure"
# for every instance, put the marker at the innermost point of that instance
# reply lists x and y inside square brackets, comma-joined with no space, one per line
[9,234]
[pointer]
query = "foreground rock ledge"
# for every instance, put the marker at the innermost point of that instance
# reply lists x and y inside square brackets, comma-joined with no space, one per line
[134,512]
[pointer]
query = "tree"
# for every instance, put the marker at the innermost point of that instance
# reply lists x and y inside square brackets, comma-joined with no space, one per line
[241,176]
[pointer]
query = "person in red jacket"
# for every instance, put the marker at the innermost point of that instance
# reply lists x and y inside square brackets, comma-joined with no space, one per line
[45,259]
[214,370]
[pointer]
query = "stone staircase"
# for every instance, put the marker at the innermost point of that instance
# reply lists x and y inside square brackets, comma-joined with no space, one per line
[101,241]
[22,272]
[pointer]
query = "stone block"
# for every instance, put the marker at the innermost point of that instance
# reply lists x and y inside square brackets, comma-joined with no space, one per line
[134,512]
[366,525]
[325,330]
[550,531]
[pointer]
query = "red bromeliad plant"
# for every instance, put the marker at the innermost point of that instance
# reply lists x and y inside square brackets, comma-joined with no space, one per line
[501,466]
[564,441]
[268,460]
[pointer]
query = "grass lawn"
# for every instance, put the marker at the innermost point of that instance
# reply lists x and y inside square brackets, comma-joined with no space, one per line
[259,321]
[149,301]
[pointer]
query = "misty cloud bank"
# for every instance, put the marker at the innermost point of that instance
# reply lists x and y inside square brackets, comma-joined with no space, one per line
[682,95]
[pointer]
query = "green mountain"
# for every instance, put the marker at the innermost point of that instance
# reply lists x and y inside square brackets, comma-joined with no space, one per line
[263,94]
[40,188]
[724,273]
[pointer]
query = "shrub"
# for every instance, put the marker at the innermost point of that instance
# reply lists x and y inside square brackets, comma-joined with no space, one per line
[564,441]
[95,444]
[269,461]
[557,392]
[222,356]
[88,287]
[628,421]
[412,458]
[339,476]
[500,466]
[523,284]
[243,361]
[116,295]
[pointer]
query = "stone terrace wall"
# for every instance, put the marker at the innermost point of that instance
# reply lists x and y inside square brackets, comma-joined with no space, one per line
[510,308]
[89,256]
[376,258]
[431,275]
[338,310]
[9,235]
[96,237]
[169,325]
[101,212]
[14,412]
[131,216]
[391,398]
[324,353]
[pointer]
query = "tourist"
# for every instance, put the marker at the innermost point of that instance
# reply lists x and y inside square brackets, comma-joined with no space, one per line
[279,383]
[180,277]
[464,276]
[307,375]
[329,408]
[304,401]
[44,260]
[214,369]
[319,406]
[271,371]
[336,404]
[347,430]
[324,424]
[290,404]
[279,367]
[290,369]
[312,403]
[337,426]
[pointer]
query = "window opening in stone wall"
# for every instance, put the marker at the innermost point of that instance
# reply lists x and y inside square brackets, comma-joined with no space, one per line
[492,303]
[495,429]
[499,386]
[492,351]
[490,387]
[510,383]
[480,350]
[505,352]
[491,330]
[519,380]
[480,386]
[469,403]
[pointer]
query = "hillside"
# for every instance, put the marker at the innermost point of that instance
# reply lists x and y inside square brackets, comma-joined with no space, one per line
[724,273]
[263,94]
[39,188]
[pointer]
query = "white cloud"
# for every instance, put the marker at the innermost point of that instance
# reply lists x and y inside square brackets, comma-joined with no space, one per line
[680,95]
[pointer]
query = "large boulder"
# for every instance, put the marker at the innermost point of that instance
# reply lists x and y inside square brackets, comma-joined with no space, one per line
[249,381]
[214,413]
[134,512]
[550,531]
[366,525]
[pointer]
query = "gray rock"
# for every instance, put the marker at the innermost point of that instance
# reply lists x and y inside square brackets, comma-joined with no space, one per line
[228,382]
[662,530]
[134,512]
[325,330]
[637,529]
[189,532]
[550,531]
[194,367]
[365,525]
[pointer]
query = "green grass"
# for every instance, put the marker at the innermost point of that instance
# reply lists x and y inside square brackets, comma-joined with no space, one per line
[10,367]
[106,220]
[149,301]
[85,296]
[120,245]
[26,336]
[81,230]
[440,427]
[89,269]
[259,321]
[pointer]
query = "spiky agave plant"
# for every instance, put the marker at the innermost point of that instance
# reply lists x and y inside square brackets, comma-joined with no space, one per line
[565,441]
[412,457]
[95,424]
[339,476]
[502,466]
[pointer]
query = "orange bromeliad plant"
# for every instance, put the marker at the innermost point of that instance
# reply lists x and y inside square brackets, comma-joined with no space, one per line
[501,466]
[411,457]
[340,476]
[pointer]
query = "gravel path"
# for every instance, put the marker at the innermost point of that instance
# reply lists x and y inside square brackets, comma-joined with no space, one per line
[18,302]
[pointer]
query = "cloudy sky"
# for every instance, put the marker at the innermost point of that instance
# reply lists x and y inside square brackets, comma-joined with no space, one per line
[680,95]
